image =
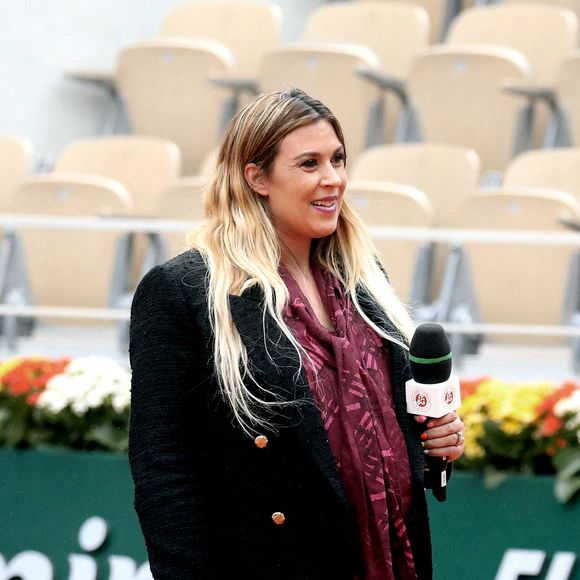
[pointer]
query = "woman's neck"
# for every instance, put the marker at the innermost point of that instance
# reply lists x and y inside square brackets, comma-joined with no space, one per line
[296,259]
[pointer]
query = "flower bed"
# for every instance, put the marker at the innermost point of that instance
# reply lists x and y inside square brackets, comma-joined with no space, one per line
[83,404]
[523,428]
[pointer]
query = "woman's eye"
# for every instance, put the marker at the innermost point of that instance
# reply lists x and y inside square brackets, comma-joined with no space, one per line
[338,159]
[310,164]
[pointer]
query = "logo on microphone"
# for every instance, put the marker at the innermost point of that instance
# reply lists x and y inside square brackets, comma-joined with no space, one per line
[421,399]
[449,396]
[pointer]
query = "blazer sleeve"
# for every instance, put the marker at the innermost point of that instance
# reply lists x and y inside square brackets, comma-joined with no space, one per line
[169,494]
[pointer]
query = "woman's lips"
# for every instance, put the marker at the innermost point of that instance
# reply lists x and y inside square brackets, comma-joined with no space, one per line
[325,205]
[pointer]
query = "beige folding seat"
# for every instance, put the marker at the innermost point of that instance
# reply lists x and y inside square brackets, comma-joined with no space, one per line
[573,5]
[395,32]
[71,267]
[568,96]
[248,29]
[515,283]
[440,12]
[146,166]
[167,91]
[457,96]
[544,33]
[209,164]
[392,204]
[557,169]
[329,73]
[182,201]
[445,173]
[15,165]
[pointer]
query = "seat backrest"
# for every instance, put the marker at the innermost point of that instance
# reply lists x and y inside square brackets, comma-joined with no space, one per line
[394,32]
[70,267]
[445,173]
[248,29]
[144,165]
[458,99]
[557,169]
[568,91]
[15,165]
[167,91]
[328,73]
[392,204]
[573,5]
[543,33]
[437,11]
[518,283]
[209,163]
[183,201]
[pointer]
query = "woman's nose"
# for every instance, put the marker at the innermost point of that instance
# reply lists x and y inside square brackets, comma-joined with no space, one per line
[332,176]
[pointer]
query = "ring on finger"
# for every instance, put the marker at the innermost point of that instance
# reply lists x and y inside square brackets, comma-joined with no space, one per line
[460,439]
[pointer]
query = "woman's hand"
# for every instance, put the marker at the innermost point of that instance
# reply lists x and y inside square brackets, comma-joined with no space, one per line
[444,436]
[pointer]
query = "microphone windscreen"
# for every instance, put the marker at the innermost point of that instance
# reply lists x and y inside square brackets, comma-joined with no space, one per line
[430,354]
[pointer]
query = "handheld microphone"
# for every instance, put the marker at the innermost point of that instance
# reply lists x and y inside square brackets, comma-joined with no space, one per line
[432,391]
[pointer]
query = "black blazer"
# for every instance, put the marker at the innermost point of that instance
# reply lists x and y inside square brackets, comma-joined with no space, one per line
[205,492]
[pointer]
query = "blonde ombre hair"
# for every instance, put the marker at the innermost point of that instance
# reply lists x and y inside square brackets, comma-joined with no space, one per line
[241,247]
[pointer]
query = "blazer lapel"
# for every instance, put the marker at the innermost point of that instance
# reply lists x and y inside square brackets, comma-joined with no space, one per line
[276,367]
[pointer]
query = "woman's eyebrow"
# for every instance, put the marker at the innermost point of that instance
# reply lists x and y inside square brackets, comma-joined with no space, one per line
[309,154]
[306,154]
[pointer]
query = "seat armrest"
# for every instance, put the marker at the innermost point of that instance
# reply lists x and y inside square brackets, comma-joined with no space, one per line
[99,77]
[530,89]
[385,82]
[237,84]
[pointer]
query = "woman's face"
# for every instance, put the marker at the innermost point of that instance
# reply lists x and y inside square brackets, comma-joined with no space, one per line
[306,185]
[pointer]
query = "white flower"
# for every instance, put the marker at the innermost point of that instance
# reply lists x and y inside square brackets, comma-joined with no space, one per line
[570,406]
[87,383]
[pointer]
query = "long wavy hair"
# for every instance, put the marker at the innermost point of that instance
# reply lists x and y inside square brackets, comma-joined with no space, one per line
[241,248]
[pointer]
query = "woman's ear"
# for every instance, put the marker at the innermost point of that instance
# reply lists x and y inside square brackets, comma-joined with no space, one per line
[256,179]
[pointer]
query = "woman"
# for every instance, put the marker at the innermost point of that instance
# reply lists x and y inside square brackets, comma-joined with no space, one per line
[269,437]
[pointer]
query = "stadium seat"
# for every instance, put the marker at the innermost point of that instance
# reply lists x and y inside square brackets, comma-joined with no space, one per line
[183,201]
[441,13]
[514,283]
[457,96]
[15,165]
[392,204]
[557,169]
[329,73]
[167,91]
[445,173]
[74,268]
[247,29]
[573,5]
[144,165]
[544,33]
[395,32]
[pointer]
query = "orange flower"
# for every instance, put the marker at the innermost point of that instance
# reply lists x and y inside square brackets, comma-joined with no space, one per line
[469,386]
[548,404]
[551,426]
[29,377]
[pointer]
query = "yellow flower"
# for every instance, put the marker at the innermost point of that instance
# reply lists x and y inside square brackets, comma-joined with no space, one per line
[512,406]
[6,366]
